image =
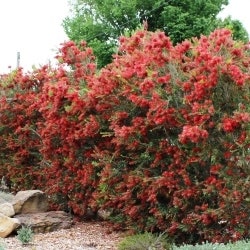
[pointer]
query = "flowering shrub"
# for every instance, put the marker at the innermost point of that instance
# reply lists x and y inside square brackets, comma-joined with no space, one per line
[179,160]
[21,161]
[160,136]
[71,130]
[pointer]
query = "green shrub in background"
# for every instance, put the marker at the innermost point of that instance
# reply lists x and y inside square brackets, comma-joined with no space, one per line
[2,245]
[145,241]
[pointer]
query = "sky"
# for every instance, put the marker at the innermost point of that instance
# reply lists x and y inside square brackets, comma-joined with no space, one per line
[34,29]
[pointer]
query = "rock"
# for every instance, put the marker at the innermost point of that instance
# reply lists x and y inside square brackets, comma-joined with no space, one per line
[30,201]
[2,200]
[103,214]
[7,209]
[6,197]
[30,208]
[46,221]
[4,188]
[7,225]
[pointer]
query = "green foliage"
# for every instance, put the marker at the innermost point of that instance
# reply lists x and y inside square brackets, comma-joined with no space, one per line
[185,19]
[2,245]
[239,245]
[103,51]
[238,31]
[145,241]
[149,241]
[25,235]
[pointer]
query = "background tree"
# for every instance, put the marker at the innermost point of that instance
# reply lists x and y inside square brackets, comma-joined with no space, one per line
[101,22]
[238,31]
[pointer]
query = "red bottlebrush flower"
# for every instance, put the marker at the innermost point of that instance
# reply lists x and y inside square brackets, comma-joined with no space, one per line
[146,86]
[173,228]
[229,124]
[215,169]
[242,117]
[193,134]
[187,86]
[123,132]
[227,155]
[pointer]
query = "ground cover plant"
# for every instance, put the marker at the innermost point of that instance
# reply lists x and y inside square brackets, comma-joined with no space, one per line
[238,245]
[160,136]
[148,241]
[25,235]
[145,241]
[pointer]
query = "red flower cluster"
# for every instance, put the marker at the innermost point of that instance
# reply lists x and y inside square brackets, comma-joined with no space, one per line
[193,134]
[229,124]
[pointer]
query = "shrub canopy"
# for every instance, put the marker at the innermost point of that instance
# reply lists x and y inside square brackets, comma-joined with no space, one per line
[160,136]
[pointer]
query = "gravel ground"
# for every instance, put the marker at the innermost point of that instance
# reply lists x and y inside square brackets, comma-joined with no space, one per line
[81,236]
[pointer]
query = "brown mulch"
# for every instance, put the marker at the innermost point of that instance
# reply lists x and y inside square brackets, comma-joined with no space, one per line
[81,236]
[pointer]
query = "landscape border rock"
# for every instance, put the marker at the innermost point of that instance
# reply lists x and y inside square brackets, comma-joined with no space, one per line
[30,201]
[45,222]
[7,225]
[7,209]
[29,209]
